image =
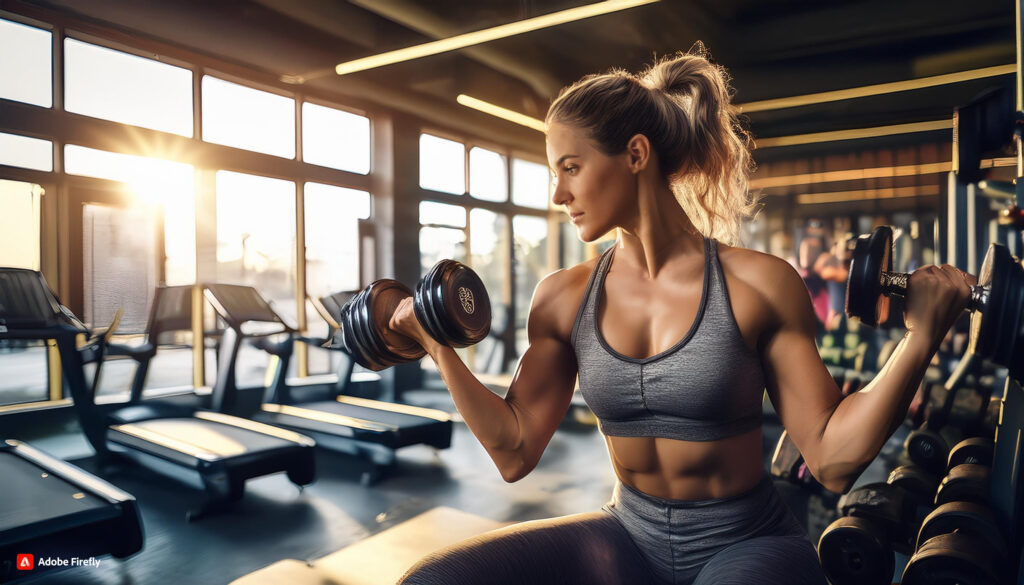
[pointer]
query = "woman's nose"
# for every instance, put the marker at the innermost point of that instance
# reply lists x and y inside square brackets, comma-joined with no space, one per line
[560,195]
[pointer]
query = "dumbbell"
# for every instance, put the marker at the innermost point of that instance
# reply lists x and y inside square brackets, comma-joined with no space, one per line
[858,548]
[450,302]
[959,542]
[996,303]
[968,478]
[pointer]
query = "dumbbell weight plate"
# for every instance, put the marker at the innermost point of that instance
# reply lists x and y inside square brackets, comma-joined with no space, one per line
[355,346]
[971,519]
[423,309]
[974,450]
[373,344]
[381,302]
[853,551]
[930,449]
[952,559]
[997,333]
[965,483]
[468,302]
[871,256]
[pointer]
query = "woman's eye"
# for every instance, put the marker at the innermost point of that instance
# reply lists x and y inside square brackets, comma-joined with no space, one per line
[571,170]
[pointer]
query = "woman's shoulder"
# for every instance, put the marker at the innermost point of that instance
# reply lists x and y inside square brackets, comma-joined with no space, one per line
[558,295]
[774,278]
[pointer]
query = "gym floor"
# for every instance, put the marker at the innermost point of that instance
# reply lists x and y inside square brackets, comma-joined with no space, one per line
[274,521]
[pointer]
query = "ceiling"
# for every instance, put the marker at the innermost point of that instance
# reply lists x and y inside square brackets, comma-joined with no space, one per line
[773,49]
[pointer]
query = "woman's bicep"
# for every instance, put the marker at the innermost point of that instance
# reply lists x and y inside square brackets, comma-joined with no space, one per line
[543,384]
[801,389]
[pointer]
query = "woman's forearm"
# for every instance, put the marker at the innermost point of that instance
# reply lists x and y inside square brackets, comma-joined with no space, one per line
[489,417]
[862,422]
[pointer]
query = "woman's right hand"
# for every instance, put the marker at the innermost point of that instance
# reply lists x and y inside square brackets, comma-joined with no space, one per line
[936,297]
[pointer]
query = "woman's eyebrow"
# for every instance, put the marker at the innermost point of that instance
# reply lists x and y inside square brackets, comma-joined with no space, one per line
[563,158]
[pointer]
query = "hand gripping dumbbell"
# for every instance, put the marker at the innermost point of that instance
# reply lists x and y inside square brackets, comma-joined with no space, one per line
[450,302]
[996,303]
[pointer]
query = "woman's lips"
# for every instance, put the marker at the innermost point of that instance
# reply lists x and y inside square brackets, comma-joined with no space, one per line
[575,216]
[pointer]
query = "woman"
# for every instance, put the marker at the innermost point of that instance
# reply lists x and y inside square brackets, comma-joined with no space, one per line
[674,335]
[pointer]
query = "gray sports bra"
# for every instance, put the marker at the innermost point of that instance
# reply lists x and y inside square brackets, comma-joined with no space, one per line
[706,387]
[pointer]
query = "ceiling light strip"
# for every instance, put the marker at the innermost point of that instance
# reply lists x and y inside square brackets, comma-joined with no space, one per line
[489,108]
[487,35]
[872,173]
[879,89]
[868,194]
[855,133]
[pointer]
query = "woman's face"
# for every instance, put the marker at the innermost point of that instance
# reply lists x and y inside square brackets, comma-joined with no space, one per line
[597,190]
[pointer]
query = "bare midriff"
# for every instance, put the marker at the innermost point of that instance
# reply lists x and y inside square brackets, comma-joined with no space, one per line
[688,470]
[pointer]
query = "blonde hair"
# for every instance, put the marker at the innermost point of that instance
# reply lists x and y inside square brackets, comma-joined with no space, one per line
[682,104]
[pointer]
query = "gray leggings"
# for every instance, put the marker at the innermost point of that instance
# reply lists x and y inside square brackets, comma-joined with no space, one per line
[638,539]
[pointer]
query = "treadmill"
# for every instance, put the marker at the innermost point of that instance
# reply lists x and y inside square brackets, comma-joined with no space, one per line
[368,428]
[208,450]
[51,508]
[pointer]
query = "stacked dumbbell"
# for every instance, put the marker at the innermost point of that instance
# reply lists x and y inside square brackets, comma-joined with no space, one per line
[960,540]
[450,302]
[966,411]
[877,521]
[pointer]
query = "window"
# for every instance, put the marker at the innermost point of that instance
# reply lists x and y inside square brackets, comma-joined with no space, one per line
[531,184]
[332,254]
[108,84]
[488,175]
[19,224]
[432,213]
[336,139]
[239,116]
[25,152]
[170,185]
[442,165]
[531,265]
[489,259]
[256,247]
[26,64]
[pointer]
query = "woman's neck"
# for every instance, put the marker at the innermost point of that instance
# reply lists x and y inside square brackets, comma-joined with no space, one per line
[660,229]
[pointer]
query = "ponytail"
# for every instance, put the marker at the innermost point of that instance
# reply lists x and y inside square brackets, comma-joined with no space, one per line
[682,104]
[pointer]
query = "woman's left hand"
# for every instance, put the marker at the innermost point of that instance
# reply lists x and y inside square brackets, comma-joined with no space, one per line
[404,321]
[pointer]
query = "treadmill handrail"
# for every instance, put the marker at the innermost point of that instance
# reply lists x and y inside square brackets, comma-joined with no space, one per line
[68,472]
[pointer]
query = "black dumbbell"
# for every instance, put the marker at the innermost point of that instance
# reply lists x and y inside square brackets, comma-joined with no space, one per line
[858,548]
[450,303]
[996,303]
[959,542]
[920,487]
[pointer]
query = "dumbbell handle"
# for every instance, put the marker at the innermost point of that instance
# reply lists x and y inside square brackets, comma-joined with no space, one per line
[895,283]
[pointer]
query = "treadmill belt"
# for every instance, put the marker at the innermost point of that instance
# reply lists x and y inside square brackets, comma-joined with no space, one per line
[396,419]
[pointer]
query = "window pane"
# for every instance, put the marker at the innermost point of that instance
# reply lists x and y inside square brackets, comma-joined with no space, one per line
[160,182]
[332,237]
[256,247]
[19,224]
[435,213]
[25,152]
[335,139]
[442,165]
[531,265]
[488,177]
[26,372]
[572,251]
[26,64]
[437,244]
[489,247]
[239,116]
[531,184]
[112,85]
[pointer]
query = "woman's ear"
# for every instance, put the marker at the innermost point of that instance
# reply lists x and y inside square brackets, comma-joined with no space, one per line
[639,150]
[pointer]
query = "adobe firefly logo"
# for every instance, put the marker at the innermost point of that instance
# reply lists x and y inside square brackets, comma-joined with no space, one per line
[26,562]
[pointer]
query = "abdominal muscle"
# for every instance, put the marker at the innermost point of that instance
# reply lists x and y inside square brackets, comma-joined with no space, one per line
[688,470]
